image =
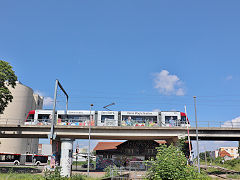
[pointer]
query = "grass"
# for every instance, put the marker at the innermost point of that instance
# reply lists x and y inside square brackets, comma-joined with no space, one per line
[236,167]
[79,163]
[27,176]
[211,170]
[228,165]
[233,176]
[21,176]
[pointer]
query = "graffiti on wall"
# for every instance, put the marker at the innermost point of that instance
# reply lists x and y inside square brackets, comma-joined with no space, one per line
[102,163]
[119,161]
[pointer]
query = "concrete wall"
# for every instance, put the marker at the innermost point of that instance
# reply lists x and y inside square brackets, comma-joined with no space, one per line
[45,149]
[16,112]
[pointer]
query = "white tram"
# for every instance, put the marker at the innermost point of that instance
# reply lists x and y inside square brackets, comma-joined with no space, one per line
[108,118]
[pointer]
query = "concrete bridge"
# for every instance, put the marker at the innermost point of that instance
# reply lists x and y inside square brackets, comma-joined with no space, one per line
[119,133]
[62,146]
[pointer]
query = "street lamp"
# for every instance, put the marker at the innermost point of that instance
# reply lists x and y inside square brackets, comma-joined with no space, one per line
[198,160]
[89,138]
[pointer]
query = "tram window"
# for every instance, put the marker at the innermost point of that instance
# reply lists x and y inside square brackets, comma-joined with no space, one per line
[140,119]
[63,118]
[104,117]
[79,118]
[169,119]
[84,118]
[43,116]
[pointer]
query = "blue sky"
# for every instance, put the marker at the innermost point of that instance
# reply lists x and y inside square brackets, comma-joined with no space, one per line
[142,55]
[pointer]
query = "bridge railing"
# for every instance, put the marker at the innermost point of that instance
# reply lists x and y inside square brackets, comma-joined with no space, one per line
[71,122]
[220,124]
[12,121]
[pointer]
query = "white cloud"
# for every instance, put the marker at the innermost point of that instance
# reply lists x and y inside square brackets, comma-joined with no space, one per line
[168,84]
[235,123]
[47,101]
[39,93]
[228,78]
[180,92]
[156,110]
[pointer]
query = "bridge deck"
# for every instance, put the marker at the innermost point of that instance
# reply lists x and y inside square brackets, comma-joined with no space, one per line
[120,133]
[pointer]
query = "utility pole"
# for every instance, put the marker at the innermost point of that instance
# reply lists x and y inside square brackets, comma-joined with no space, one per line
[77,149]
[57,83]
[189,140]
[52,135]
[198,160]
[89,138]
[205,156]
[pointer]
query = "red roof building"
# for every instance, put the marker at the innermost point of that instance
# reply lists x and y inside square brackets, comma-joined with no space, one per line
[224,154]
[106,145]
[122,153]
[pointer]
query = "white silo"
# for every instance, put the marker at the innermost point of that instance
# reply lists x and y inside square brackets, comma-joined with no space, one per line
[15,113]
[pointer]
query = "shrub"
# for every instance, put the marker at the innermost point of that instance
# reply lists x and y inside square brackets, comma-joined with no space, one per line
[233,162]
[78,177]
[49,175]
[111,171]
[171,163]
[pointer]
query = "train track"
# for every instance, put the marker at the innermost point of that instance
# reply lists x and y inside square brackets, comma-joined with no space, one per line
[220,172]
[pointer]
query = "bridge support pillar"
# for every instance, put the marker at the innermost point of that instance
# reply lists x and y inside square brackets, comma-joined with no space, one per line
[66,157]
[56,148]
[172,141]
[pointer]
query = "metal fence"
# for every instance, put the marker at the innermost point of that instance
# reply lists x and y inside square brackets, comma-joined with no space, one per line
[219,124]
[138,169]
[135,170]
[118,173]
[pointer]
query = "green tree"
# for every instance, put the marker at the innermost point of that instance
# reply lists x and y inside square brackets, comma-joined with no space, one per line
[182,145]
[171,163]
[7,79]
[202,156]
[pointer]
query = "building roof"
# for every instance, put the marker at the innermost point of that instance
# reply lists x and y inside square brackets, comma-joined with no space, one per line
[161,141]
[106,145]
[113,145]
[224,153]
[228,148]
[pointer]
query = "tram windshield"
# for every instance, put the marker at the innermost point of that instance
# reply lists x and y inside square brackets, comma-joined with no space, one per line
[30,118]
[183,120]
